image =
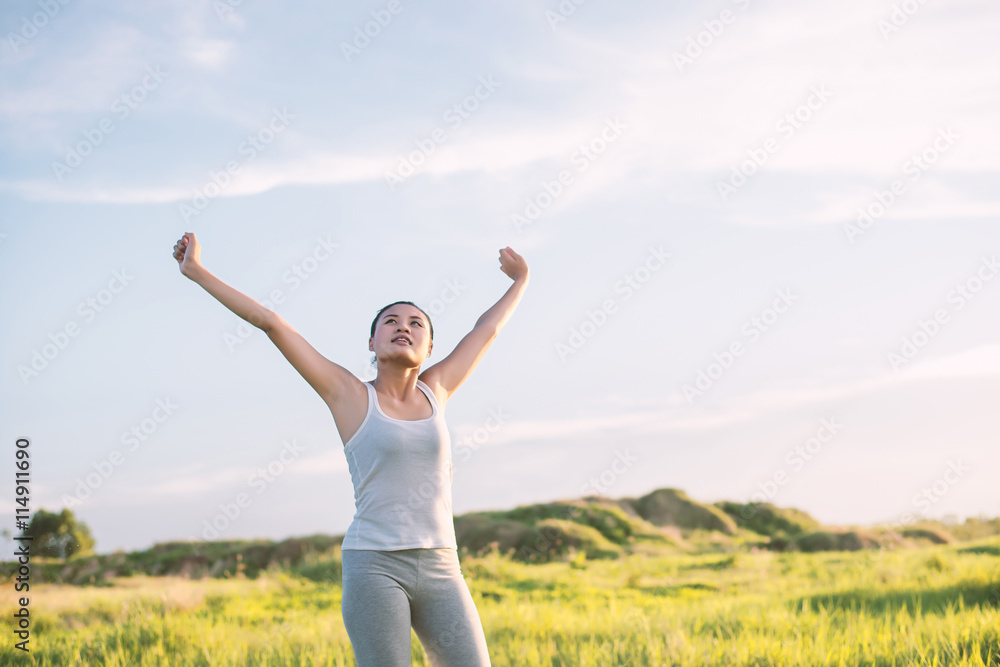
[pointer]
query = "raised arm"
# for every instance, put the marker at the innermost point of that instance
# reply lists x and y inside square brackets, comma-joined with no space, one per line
[453,370]
[327,378]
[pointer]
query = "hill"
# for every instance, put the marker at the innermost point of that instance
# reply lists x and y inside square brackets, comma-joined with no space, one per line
[664,521]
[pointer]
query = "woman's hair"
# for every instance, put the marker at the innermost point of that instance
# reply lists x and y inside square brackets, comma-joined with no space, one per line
[410,303]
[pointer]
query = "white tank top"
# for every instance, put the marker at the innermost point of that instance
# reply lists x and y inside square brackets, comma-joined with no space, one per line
[401,471]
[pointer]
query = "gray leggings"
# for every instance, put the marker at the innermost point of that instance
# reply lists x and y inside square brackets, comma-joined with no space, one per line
[385,592]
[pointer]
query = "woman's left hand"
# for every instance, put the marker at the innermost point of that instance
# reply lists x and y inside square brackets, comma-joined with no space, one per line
[513,264]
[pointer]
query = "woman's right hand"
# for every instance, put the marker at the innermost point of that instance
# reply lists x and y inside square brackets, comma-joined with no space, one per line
[187,252]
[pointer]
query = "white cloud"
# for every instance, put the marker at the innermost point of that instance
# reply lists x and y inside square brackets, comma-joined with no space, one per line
[701,120]
[212,54]
[186,485]
[673,414]
[983,360]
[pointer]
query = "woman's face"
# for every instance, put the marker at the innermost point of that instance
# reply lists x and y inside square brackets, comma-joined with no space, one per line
[402,320]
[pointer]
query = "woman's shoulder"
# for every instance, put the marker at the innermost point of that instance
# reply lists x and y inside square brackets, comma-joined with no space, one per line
[436,390]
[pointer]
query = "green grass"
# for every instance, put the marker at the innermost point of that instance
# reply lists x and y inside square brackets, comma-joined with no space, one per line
[938,605]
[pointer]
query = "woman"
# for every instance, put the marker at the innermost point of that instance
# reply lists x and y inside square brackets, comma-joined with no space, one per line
[399,555]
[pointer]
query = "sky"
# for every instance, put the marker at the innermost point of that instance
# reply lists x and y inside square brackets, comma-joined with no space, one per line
[763,241]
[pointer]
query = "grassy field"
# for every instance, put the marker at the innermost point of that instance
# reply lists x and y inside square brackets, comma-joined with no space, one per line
[938,605]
